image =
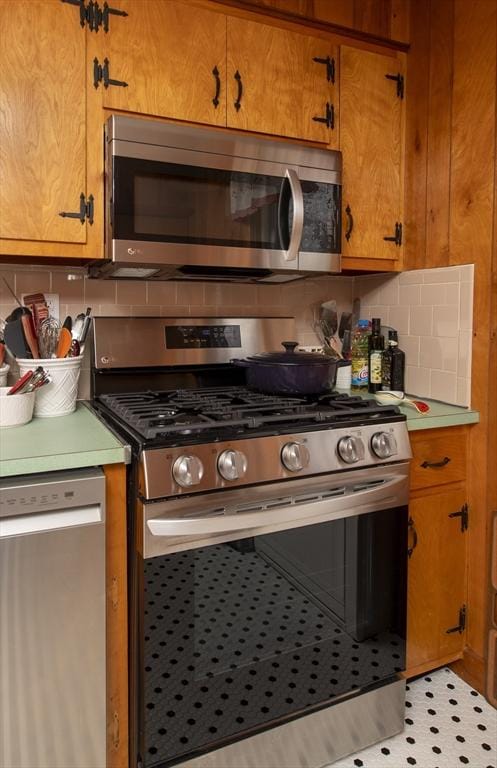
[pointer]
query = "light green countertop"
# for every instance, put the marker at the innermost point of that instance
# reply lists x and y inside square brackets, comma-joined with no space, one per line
[64,442]
[81,440]
[439,415]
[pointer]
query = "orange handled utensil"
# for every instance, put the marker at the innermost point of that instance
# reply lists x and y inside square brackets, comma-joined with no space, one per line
[64,343]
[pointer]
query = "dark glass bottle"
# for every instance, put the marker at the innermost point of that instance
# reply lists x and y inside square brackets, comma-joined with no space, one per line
[393,365]
[375,354]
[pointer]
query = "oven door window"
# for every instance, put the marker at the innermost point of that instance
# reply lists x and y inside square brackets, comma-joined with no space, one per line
[239,635]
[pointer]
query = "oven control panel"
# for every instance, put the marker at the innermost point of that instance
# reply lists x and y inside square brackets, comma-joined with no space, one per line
[188,469]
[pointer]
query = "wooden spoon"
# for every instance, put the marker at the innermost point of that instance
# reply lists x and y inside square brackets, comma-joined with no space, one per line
[64,344]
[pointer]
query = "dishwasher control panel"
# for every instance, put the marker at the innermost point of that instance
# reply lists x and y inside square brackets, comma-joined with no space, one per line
[52,491]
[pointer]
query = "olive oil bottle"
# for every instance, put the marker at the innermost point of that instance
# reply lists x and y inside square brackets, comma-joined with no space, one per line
[375,354]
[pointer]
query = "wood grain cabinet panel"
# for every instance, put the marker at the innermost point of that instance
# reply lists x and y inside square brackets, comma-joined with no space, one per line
[42,120]
[166,52]
[436,579]
[276,86]
[371,119]
[438,458]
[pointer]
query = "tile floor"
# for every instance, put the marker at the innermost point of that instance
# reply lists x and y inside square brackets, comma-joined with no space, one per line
[448,724]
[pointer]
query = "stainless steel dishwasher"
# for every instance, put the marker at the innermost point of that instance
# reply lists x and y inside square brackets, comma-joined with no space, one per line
[52,620]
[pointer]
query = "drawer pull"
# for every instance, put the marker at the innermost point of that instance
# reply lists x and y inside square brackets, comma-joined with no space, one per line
[412,529]
[435,464]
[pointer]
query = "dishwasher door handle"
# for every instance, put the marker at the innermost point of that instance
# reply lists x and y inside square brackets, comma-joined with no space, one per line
[23,525]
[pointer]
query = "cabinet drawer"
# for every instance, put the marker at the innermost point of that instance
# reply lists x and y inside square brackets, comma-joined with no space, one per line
[439,457]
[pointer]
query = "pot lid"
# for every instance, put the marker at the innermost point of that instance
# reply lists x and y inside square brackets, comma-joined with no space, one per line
[290,356]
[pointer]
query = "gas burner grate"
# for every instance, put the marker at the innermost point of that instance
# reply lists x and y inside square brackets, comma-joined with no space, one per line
[232,411]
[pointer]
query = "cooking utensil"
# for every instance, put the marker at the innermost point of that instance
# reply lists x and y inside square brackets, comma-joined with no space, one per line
[29,334]
[356,313]
[18,387]
[12,292]
[86,327]
[2,353]
[345,324]
[289,372]
[15,339]
[64,343]
[392,396]
[77,326]
[48,337]
[75,350]
[68,323]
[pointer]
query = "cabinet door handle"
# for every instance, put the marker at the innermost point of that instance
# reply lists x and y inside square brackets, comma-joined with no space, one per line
[350,223]
[215,100]
[412,529]
[435,464]
[238,101]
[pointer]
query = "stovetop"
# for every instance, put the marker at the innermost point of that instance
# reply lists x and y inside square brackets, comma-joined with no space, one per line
[184,416]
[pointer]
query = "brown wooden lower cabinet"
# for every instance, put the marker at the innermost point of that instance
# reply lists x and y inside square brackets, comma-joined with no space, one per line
[437,607]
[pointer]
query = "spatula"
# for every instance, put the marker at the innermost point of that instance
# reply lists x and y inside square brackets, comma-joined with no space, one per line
[15,339]
[64,344]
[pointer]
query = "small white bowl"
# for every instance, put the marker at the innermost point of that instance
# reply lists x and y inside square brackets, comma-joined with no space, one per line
[4,369]
[15,410]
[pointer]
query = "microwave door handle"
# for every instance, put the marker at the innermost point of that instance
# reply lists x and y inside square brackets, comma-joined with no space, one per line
[298,215]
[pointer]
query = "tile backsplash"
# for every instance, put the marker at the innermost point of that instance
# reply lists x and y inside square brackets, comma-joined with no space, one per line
[163,299]
[432,309]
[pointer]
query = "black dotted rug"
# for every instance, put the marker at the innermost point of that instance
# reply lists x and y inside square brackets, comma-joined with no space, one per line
[447,724]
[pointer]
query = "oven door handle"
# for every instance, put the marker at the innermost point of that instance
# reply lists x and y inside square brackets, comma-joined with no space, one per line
[351,500]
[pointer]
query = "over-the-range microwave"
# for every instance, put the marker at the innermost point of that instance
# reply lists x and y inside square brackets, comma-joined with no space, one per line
[193,203]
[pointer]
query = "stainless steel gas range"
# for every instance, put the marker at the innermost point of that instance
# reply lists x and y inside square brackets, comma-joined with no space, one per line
[267,543]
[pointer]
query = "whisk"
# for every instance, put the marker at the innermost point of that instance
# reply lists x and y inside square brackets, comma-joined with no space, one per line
[48,337]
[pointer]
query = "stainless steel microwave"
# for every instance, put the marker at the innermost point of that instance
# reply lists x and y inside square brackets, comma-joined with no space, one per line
[193,203]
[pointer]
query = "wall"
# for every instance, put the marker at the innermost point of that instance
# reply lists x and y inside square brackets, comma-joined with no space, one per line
[432,309]
[451,206]
[136,298]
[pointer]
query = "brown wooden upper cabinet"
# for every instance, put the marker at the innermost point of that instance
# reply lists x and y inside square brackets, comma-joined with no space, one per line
[43,127]
[225,71]
[281,83]
[371,120]
[169,60]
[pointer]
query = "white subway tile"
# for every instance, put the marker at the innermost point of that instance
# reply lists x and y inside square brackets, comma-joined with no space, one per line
[452,294]
[439,353]
[410,346]
[409,295]
[463,392]
[417,381]
[446,321]
[433,294]
[420,321]
[466,318]
[389,292]
[464,354]
[443,386]
[441,275]
[467,273]
[413,277]
[398,317]
[430,352]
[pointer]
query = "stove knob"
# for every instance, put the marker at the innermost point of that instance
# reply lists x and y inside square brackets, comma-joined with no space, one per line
[295,456]
[383,445]
[232,465]
[188,471]
[351,449]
